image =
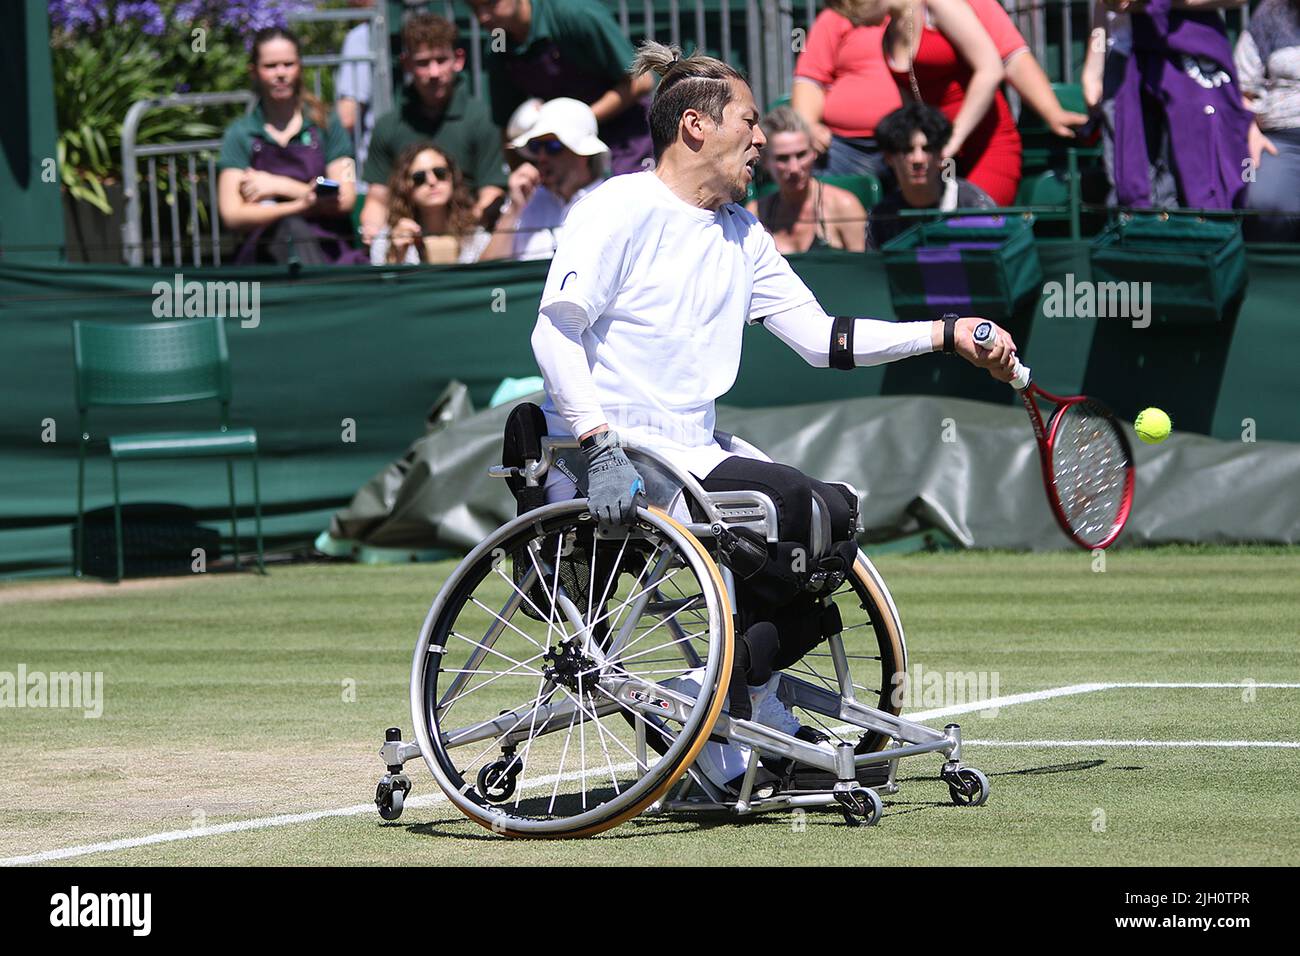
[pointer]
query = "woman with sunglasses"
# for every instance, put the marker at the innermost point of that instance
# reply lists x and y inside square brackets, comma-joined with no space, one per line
[430,213]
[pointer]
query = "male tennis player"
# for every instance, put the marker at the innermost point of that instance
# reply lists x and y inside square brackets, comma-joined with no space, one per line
[639,333]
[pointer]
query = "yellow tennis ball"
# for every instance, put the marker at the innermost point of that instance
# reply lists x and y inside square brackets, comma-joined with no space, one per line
[1152,425]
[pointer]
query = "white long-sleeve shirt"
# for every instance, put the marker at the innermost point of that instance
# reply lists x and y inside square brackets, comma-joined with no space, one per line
[644,309]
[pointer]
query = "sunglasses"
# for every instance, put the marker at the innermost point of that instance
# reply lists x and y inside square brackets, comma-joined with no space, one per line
[549,147]
[421,176]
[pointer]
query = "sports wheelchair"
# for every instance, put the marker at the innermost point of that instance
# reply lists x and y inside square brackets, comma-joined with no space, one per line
[567,679]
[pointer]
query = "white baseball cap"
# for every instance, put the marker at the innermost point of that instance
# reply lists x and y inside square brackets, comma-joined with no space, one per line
[571,122]
[523,118]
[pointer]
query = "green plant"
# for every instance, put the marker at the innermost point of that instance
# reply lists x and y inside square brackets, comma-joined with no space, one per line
[108,54]
[95,85]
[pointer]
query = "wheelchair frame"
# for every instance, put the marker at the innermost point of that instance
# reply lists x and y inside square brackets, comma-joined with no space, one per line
[692,790]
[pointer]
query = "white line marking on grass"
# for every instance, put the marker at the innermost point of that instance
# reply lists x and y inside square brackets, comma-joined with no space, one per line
[1283,744]
[1009,700]
[171,836]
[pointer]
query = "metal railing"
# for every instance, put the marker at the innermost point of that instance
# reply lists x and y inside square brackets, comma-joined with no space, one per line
[133,240]
[377,60]
[757,36]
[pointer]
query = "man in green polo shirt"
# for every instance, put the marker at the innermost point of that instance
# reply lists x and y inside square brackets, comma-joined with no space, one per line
[575,49]
[437,106]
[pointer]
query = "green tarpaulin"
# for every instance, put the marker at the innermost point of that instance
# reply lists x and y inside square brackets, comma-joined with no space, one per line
[966,469]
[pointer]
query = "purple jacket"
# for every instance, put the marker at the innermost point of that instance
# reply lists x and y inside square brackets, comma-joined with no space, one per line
[1177,57]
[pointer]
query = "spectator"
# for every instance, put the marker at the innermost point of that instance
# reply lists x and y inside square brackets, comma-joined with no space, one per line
[436,107]
[1176,131]
[567,161]
[913,140]
[271,158]
[352,86]
[430,212]
[842,84]
[804,213]
[573,49]
[1268,65]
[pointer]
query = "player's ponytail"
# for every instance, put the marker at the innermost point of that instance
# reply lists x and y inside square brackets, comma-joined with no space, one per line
[656,57]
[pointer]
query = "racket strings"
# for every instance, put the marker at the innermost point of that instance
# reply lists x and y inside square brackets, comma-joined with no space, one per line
[1090,465]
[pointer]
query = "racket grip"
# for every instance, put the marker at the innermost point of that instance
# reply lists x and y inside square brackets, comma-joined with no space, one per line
[984,337]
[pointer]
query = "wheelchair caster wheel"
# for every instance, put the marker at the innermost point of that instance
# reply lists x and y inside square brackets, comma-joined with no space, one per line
[861,806]
[496,781]
[390,796]
[968,787]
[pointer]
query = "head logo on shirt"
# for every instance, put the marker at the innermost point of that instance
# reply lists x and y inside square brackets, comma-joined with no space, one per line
[565,280]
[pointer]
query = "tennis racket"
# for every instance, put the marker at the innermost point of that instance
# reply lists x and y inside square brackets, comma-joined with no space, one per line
[1086,457]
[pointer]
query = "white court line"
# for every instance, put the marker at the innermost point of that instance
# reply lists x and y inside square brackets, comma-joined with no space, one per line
[1231,744]
[289,819]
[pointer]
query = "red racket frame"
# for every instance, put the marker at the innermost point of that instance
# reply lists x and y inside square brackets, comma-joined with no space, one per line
[1046,437]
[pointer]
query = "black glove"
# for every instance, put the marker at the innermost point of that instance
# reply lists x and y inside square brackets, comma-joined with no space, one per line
[614,489]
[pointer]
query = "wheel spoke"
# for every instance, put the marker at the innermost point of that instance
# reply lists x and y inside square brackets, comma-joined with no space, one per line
[444,708]
[532,729]
[559,773]
[492,650]
[525,636]
[523,594]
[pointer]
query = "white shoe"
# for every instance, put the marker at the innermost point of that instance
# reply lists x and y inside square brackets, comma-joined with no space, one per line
[769,709]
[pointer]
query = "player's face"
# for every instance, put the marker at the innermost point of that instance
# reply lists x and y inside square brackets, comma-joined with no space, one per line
[278,69]
[789,158]
[738,141]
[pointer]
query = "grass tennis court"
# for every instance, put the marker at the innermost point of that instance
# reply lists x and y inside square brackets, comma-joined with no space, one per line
[236,698]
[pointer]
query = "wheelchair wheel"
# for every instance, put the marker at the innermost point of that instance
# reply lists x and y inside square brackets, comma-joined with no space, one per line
[552,691]
[875,653]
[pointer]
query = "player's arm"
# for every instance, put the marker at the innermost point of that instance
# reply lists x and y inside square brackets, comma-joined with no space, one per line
[613,485]
[845,342]
[560,354]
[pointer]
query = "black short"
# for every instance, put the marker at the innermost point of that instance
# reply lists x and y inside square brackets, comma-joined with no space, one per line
[790,490]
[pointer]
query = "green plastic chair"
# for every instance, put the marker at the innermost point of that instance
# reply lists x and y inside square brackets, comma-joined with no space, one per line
[1049,188]
[159,363]
[866,187]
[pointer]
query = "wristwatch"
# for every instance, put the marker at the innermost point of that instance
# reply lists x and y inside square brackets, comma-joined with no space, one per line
[950,333]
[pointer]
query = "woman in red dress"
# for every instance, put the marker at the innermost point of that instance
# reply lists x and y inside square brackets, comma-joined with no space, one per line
[939,54]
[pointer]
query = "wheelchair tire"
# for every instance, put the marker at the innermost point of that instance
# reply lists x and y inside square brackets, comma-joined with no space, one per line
[891,646]
[513,671]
